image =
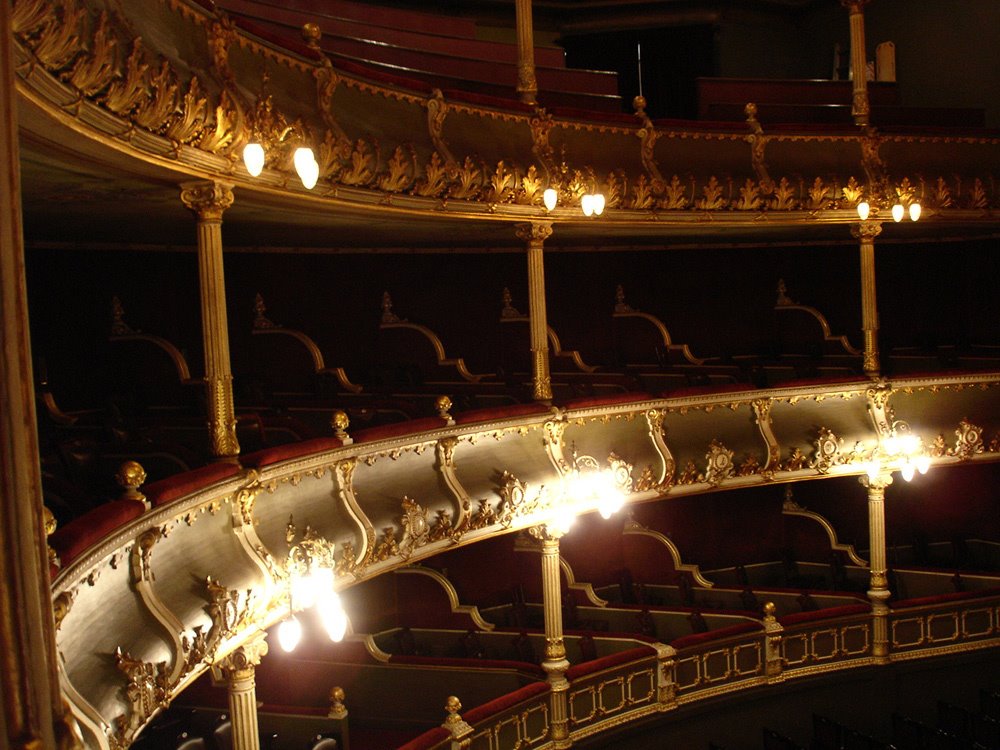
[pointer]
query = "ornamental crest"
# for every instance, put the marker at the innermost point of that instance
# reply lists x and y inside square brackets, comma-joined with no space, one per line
[969,440]
[415,527]
[829,450]
[720,464]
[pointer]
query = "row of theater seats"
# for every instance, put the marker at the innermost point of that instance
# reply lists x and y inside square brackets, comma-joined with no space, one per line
[951,727]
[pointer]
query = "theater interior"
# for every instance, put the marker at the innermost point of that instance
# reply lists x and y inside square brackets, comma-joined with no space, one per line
[500,375]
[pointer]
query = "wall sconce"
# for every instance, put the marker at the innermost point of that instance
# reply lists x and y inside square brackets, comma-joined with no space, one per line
[900,450]
[310,567]
[589,486]
[271,131]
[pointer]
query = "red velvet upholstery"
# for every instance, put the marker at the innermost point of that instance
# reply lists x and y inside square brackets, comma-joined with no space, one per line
[607,662]
[279,40]
[824,614]
[497,705]
[802,382]
[287,452]
[430,738]
[179,485]
[689,641]
[702,390]
[618,398]
[924,601]
[398,429]
[80,533]
[501,412]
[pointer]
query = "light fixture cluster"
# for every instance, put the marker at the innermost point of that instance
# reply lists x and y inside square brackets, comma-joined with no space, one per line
[311,583]
[270,131]
[898,210]
[304,160]
[900,450]
[593,204]
[588,486]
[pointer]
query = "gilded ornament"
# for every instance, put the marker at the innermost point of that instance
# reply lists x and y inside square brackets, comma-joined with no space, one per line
[29,15]
[130,477]
[434,181]
[402,170]
[193,115]
[689,475]
[387,547]
[362,163]
[642,194]
[59,41]
[468,180]
[131,88]
[749,467]
[513,502]
[820,196]
[674,195]
[153,112]
[968,442]
[796,460]
[94,71]
[500,188]
[712,199]
[146,692]
[783,198]
[828,451]
[442,527]
[61,606]
[994,446]
[228,609]
[615,188]
[529,192]
[750,197]
[719,464]
[415,527]
[942,194]
[978,197]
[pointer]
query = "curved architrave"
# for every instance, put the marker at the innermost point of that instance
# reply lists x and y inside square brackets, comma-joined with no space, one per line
[83,712]
[445,452]
[442,359]
[792,508]
[654,418]
[828,336]
[142,580]
[180,362]
[319,365]
[449,589]
[633,527]
[343,477]
[762,414]
[661,328]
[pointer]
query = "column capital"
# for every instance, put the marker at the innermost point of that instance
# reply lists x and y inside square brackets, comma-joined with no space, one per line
[876,484]
[855,6]
[866,231]
[209,199]
[547,535]
[535,231]
[245,658]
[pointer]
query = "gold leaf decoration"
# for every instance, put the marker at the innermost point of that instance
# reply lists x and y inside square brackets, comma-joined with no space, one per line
[712,200]
[675,195]
[401,171]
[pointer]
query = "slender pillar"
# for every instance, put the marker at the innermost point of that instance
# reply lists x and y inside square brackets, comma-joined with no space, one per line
[527,85]
[859,61]
[878,587]
[866,232]
[555,662]
[535,235]
[239,667]
[29,687]
[209,200]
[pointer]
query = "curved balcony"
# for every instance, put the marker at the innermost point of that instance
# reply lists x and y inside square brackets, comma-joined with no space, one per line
[148,599]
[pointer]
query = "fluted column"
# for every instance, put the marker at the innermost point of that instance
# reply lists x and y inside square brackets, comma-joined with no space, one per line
[535,235]
[29,688]
[527,85]
[859,60]
[555,662]
[878,587]
[209,200]
[866,232]
[239,667]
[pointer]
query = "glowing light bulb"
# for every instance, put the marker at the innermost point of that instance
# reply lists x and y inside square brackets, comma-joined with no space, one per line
[289,634]
[587,204]
[306,167]
[562,519]
[923,464]
[550,198]
[897,212]
[874,468]
[253,159]
[303,590]
[334,618]
[598,203]
[863,210]
[907,471]
[914,211]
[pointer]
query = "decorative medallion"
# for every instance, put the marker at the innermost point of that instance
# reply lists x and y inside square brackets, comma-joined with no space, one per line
[415,527]
[969,440]
[719,464]
[829,450]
